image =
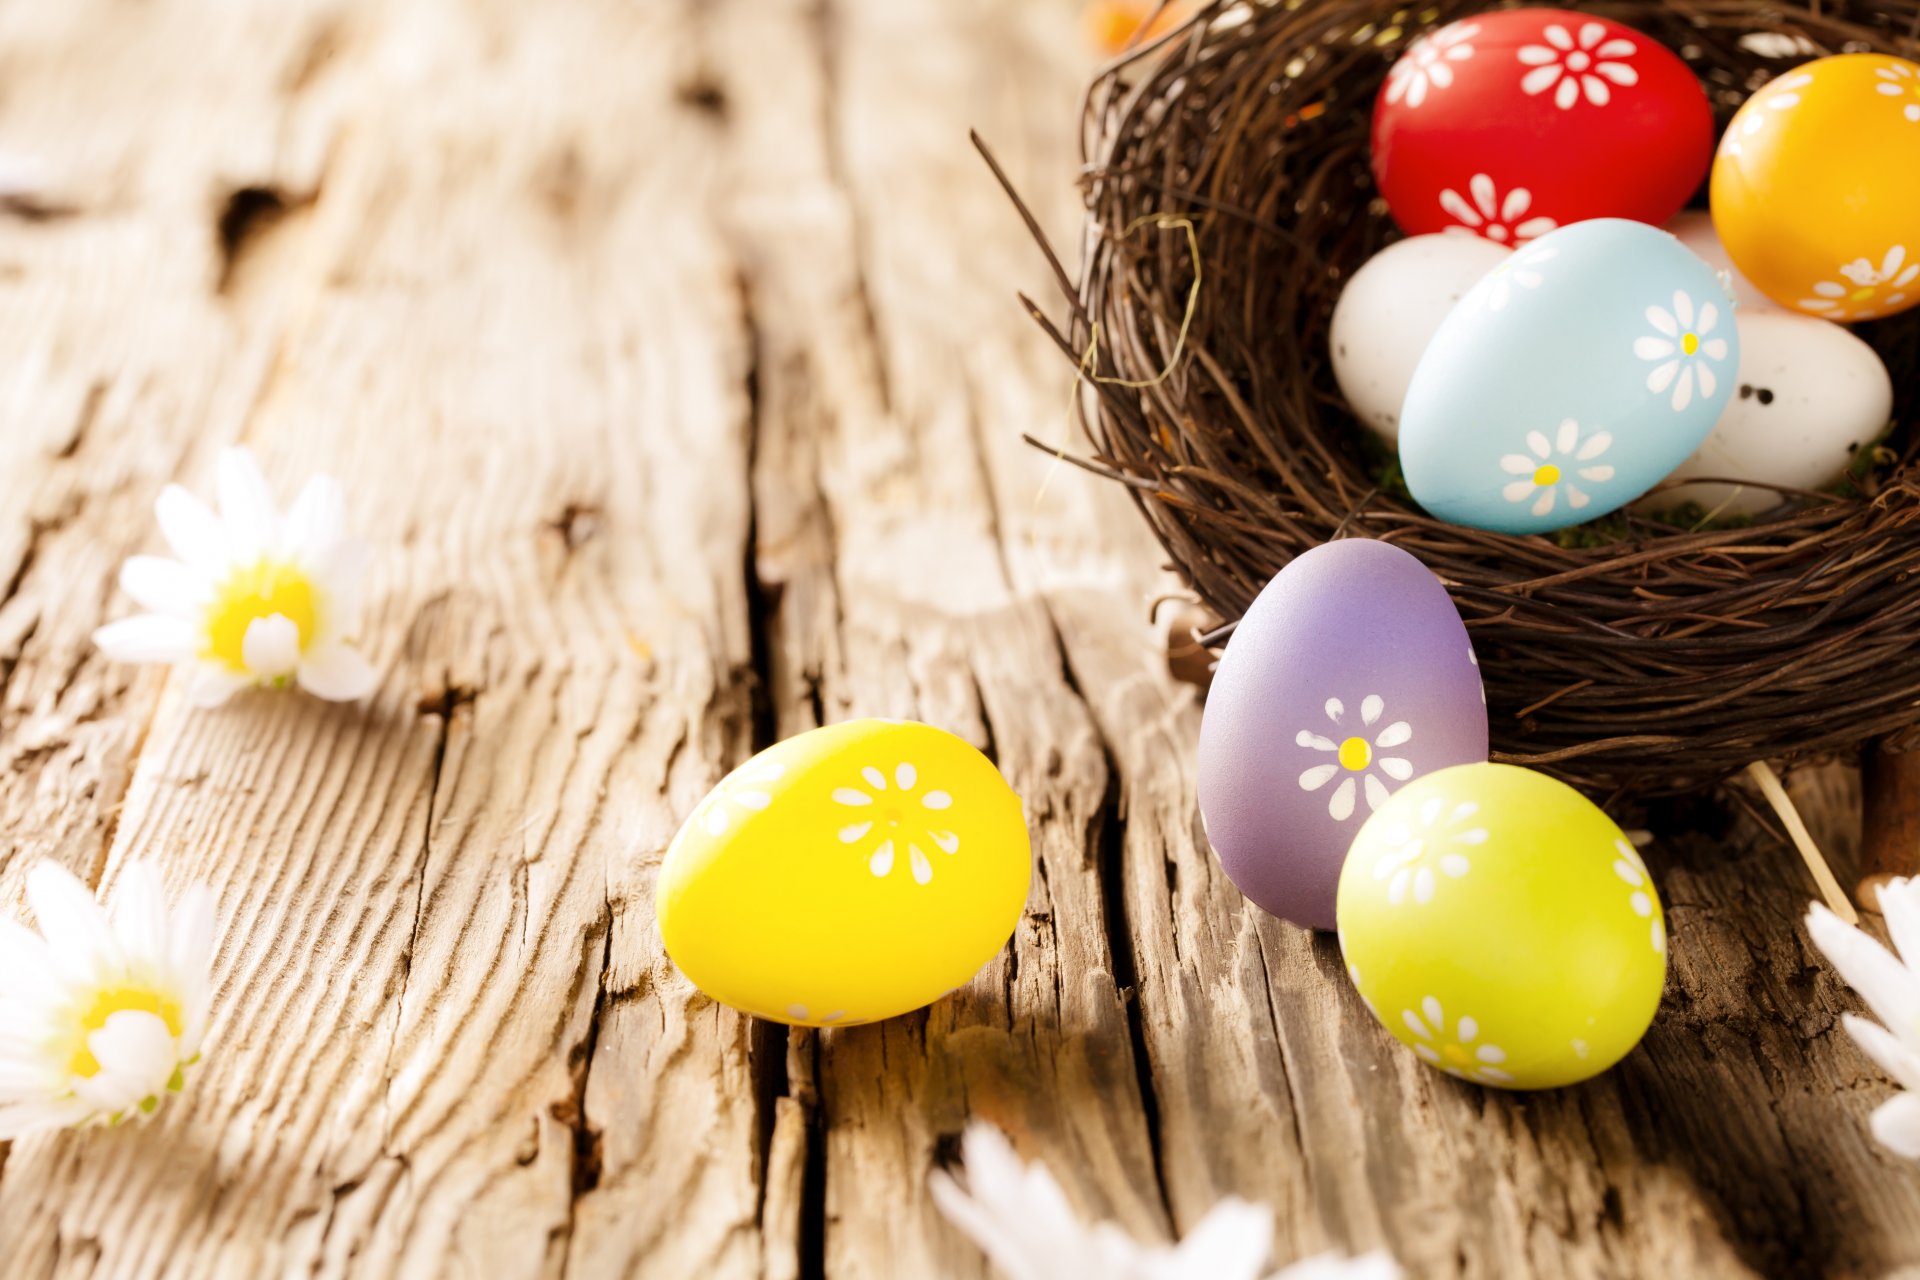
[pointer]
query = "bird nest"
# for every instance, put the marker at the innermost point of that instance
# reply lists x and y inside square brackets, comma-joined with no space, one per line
[1229,198]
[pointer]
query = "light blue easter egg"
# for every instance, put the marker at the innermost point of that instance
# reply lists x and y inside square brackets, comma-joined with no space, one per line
[1569,381]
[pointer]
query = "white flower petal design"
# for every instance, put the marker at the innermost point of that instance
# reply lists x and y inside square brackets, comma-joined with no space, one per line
[1683,352]
[102,1012]
[1457,1054]
[1501,219]
[1551,463]
[1427,64]
[1359,756]
[254,598]
[1588,67]
[1441,843]
[879,815]
[1869,290]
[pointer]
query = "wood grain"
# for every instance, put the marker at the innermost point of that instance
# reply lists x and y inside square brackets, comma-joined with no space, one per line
[670,355]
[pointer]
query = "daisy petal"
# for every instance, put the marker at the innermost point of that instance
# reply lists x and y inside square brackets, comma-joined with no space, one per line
[1652,348]
[213,684]
[1659,319]
[1900,907]
[337,673]
[80,939]
[164,586]
[1518,491]
[1544,504]
[1515,464]
[1568,436]
[271,647]
[317,520]
[246,506]
[1396,767]
[1885,1048]
[1662,377]
[1394,734]
[1896,1125]
[1596,444]
[1567,94]
[1340,804]
[190,528]
[1869,968]
[147,637]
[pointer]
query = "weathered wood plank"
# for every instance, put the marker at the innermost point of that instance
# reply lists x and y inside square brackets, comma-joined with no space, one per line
[511,332]
[879,549]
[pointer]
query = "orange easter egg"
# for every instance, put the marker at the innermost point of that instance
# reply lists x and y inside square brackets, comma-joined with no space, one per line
[1816,187]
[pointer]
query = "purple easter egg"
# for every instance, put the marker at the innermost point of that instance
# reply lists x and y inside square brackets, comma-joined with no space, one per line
[1350,675]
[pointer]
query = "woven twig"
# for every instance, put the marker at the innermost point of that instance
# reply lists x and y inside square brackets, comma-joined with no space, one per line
[1658,662]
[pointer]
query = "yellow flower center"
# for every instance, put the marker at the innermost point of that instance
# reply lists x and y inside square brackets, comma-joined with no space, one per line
[1689,342]
[1456,1054]
[111,1000]
[1863,293]
[1355,754]
[258,590]
[1545,474]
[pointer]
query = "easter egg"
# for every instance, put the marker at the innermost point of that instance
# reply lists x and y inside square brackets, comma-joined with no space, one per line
[1388,313]
[1570,381]
[1503,928]
[1510,124]
[847,874]
[1816,187]
[1694,229]
[1811,395]
[1350,674]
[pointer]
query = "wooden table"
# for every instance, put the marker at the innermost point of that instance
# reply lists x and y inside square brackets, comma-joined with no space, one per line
[670,356]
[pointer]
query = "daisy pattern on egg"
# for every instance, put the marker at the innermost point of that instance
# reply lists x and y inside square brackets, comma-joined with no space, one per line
[1427,64]
[745,791]
[1869,289]
[1685,353]
[1546,465]
[1782,95]
[888,815]
[1417,859]
[1459,1052]
[1632,870]
[1499,218]
[1573,67]
[1897,80]
[1357,756]
[1521,271]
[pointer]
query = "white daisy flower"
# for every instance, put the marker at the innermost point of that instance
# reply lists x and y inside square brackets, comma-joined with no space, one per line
[1890,985]
[1898,81]
[1429,62]
[1632,870]
[1861,297]
[1683,348]
[1498,218]
[1460,1053]
[255,598]
[1441,845]
[1571,67]
[1022,1221]
[1546,471]
[1781,95]
[101,1013]
[1357,756]
[1519,271]
[890,820]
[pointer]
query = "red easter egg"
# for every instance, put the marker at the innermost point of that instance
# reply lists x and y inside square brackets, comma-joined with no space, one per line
[1513,123]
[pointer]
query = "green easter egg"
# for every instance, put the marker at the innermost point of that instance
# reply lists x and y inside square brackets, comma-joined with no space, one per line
[1502,927]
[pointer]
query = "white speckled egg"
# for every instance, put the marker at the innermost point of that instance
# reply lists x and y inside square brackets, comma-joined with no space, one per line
[1810,395]
[1389,311]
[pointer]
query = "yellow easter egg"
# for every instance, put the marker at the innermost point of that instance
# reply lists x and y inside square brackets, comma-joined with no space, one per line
[847,874]
[1816,187]
[1502,927]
